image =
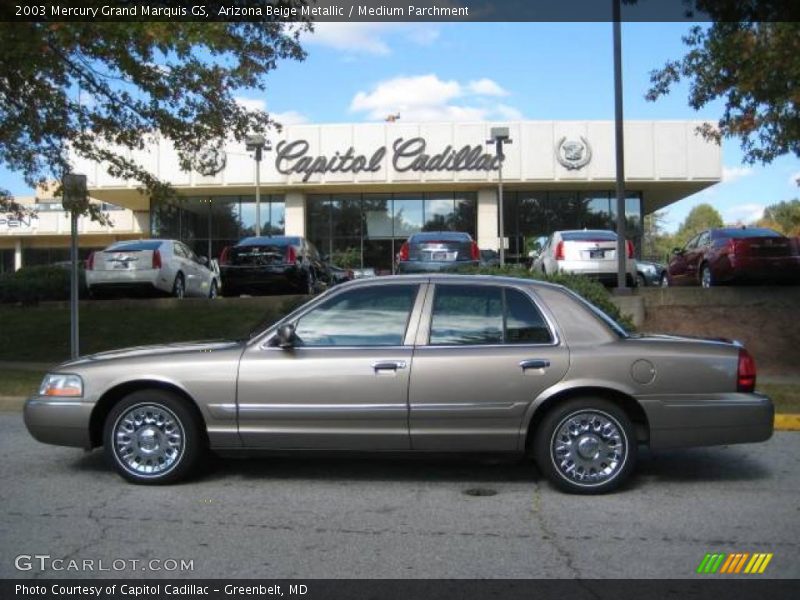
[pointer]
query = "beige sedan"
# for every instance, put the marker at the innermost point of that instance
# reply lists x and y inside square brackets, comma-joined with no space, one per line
[422,363]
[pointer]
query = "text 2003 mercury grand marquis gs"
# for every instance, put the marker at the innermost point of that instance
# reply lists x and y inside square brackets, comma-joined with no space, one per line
[413,363]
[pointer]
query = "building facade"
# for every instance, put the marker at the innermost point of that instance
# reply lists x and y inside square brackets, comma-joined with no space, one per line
[359,190]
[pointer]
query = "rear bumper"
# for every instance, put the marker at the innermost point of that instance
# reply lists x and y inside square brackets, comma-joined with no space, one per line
[757,270]
[59,422]
[238,280]
[414,266]
[711,420]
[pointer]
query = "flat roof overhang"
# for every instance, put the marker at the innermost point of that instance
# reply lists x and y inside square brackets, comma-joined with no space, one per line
[657,194]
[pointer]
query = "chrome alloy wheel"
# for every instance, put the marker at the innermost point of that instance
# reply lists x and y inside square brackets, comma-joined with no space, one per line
[148,440]
[589,448]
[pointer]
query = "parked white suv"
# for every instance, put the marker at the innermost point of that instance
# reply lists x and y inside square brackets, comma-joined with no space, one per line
[590,252]
[150,265]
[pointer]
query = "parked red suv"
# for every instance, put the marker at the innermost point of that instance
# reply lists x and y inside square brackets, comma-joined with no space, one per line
[735,255]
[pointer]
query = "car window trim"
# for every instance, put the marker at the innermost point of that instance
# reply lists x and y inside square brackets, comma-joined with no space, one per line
[424,333]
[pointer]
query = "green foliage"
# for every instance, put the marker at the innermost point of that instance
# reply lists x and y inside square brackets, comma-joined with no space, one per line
[700,218]
[347,259]
[589,289]
[103,89]
[31,285]
[783,216]
[657,244]
[749,59]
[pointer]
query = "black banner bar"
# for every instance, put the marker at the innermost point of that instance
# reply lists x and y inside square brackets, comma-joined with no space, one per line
[702,588]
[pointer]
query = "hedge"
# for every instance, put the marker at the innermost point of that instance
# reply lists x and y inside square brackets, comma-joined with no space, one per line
[31,285]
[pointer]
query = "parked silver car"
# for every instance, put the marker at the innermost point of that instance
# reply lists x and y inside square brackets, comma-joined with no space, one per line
[150,265]
[590,252]
[413,363]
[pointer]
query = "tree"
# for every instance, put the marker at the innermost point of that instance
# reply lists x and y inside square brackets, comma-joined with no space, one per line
[750,58]
[783,216]
[656,242]
[95,90]
[701,217]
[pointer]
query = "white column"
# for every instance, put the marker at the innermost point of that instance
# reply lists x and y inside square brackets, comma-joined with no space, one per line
[295,214]
[17,255]
[487,219]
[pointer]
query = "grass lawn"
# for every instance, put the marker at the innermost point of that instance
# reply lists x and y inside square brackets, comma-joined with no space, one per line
[41,333]
[16,382]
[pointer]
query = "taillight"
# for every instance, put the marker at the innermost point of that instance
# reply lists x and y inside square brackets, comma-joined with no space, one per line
[224,257]
[404,251]
[156,259]
[291,255]
[746,375]
[476,252]
[560,251]
[629,248]
[90,262]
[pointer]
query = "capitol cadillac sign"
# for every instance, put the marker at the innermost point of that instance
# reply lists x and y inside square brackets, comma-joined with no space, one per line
[406,155]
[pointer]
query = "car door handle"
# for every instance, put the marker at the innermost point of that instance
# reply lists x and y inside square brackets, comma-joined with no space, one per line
[389,365]
[534,363]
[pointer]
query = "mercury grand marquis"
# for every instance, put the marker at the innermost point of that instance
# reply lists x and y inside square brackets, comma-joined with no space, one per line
[417,363]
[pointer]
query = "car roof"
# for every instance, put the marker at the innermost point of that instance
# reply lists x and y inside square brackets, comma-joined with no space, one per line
[450,278]
[269,239]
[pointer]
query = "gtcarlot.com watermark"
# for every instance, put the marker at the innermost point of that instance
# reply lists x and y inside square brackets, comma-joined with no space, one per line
[46,562]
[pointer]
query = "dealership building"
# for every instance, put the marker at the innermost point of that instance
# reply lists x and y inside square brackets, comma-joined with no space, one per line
[361,189]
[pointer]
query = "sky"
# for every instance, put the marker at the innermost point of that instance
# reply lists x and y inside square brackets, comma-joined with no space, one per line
[501,71]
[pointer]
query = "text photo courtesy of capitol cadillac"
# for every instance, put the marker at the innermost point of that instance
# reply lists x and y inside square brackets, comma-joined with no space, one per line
[330,299]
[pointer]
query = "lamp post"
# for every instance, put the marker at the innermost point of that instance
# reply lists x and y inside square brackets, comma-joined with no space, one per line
[499,137]
[257,143]
[74,200]
[620,155]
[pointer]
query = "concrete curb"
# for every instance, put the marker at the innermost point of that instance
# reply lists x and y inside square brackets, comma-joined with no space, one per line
[783,422]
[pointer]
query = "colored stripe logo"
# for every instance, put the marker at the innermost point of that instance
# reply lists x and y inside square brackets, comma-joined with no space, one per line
[734,563]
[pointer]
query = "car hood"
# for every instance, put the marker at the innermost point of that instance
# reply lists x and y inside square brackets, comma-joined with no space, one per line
[155,350]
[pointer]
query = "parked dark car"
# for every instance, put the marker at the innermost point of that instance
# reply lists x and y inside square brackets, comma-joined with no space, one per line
[735,255]
[490,258]
[340,275]
[649,273]
[277,264]
[438,251]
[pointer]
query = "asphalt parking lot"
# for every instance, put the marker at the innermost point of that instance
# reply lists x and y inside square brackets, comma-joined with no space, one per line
[398,518]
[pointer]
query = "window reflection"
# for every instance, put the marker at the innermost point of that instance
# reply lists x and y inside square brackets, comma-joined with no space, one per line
[368,317]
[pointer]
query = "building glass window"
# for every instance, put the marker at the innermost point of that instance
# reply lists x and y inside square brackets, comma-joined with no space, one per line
[7,261]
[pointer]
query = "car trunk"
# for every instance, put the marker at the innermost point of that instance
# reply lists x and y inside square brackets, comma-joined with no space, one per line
[762,247]
[123,260]
[441,250]
[594,249]
[254,257]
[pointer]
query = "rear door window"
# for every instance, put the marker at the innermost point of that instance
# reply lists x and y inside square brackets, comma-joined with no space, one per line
[482,315]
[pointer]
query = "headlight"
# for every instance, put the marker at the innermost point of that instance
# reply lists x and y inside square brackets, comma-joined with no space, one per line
[62,385]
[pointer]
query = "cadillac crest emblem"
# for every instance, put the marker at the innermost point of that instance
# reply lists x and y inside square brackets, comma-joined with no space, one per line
[573,154]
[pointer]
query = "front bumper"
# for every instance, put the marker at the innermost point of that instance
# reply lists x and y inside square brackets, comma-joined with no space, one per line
[712,420]
[63,422]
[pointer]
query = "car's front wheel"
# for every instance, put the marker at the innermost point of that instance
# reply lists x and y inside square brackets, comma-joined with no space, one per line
[152,437]
[586,446]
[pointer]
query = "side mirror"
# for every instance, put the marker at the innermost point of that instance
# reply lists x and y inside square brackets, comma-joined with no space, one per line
[286,336]
[203,260]
[677,250]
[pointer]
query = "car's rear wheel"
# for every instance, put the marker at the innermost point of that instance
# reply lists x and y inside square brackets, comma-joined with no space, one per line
[586,446]
[640,280]
[664,280]
[213,292]
[179,287]
[152,437]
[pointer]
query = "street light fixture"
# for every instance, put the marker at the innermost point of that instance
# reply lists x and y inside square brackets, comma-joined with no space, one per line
[499,137]
[257,143]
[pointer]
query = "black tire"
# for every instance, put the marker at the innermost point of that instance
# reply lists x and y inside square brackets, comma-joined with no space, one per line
[640,280]
[213,292]
[664,281]
[179,287]
[149,465]
[310,286]
[590,413]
